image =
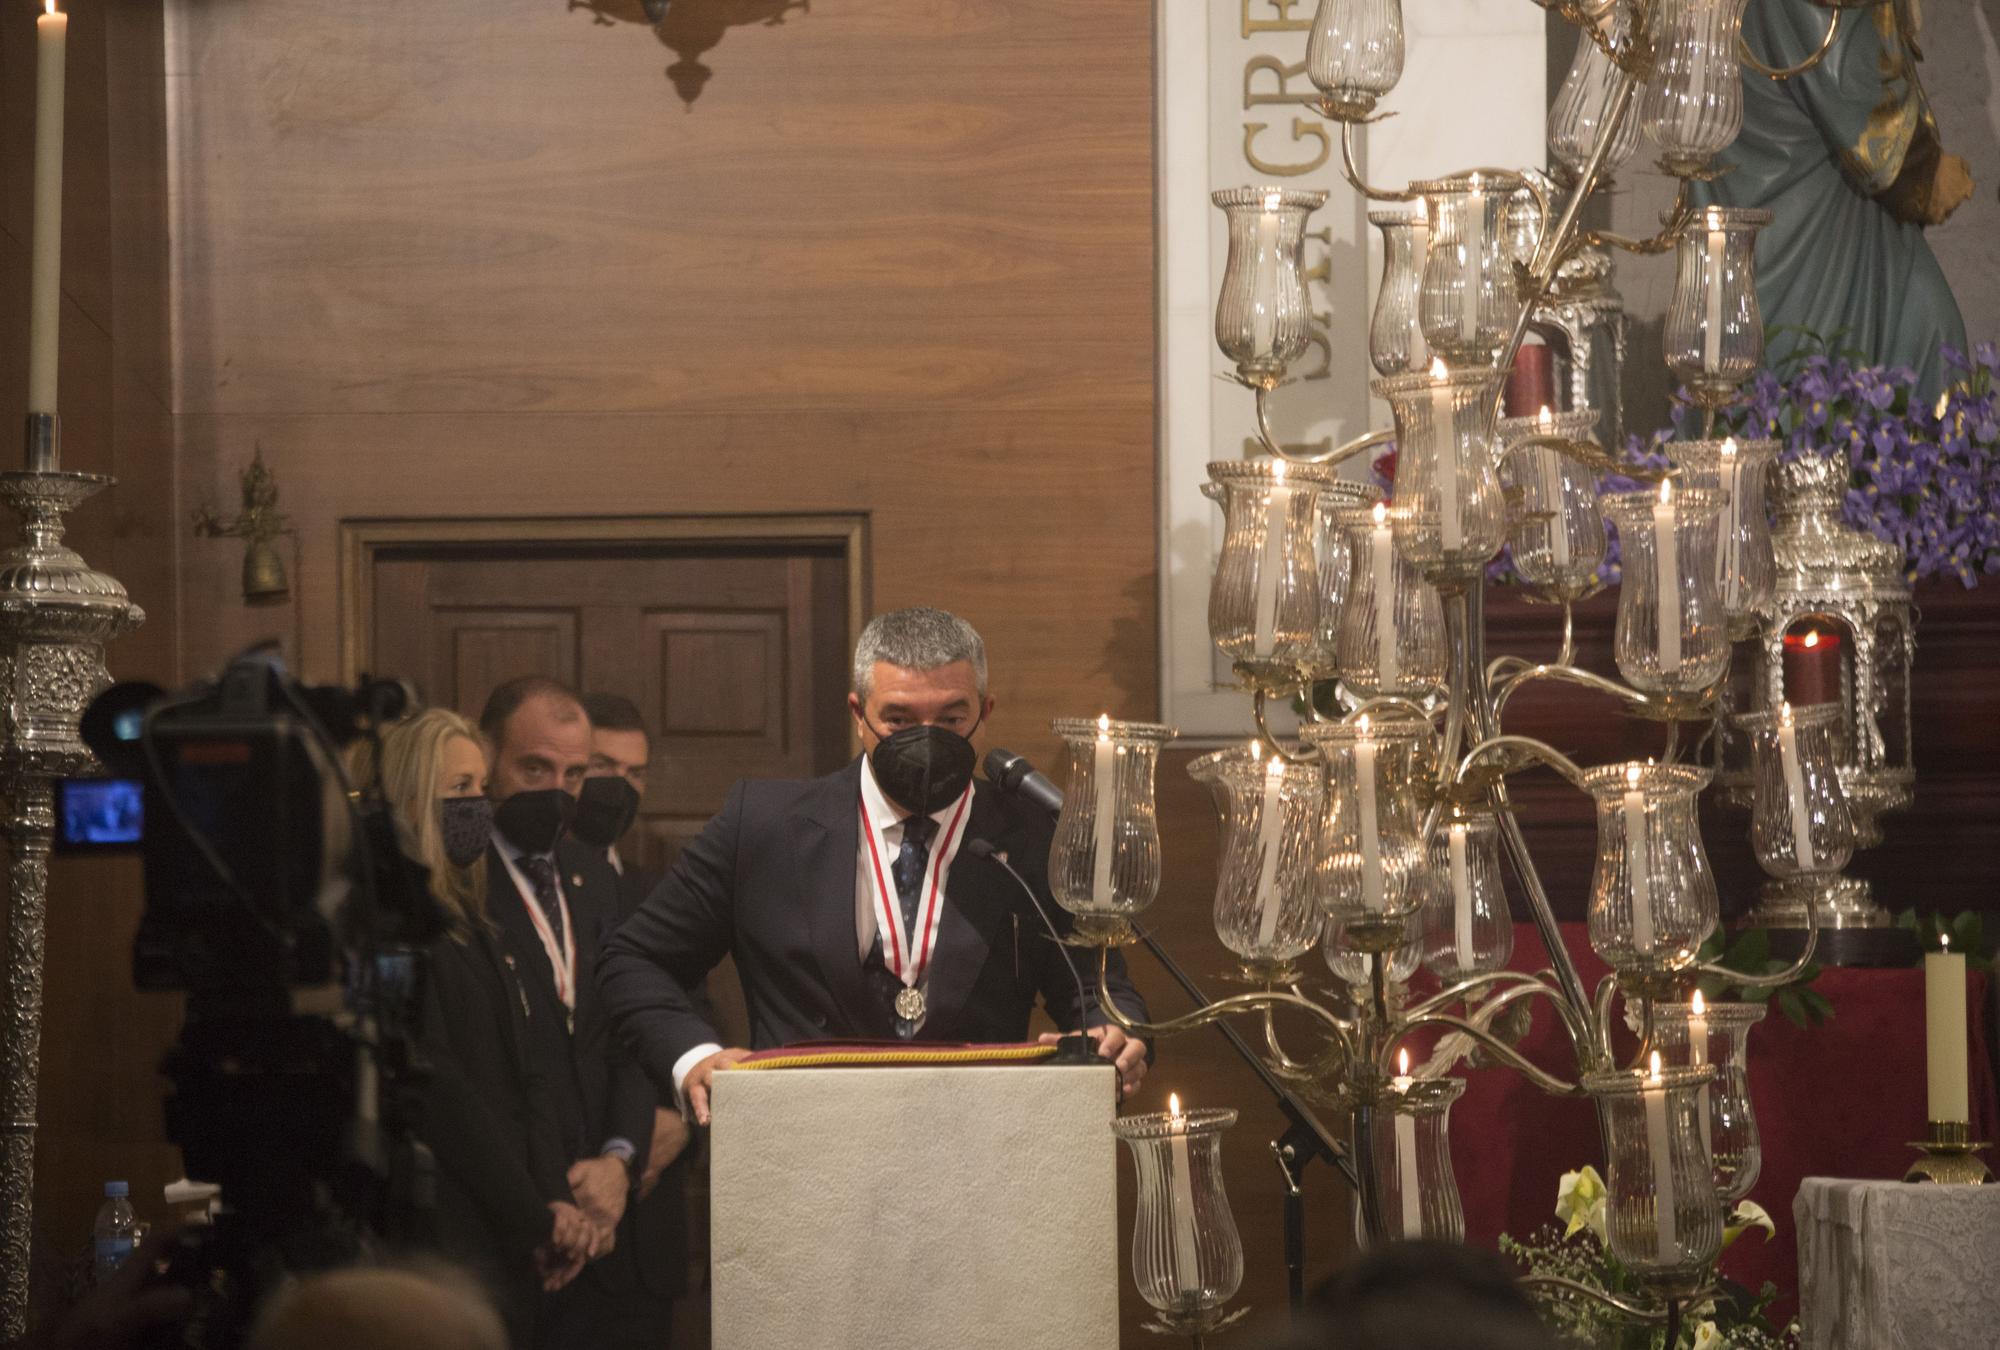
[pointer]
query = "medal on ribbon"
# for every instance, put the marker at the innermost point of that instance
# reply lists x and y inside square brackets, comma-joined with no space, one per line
[907,953]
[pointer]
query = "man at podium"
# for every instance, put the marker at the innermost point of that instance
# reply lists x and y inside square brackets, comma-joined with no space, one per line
[853,904]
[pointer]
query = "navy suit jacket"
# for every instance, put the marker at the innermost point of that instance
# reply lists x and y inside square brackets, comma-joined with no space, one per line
[771,881]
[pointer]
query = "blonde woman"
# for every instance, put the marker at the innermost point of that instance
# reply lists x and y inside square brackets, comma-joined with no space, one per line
[504,1208]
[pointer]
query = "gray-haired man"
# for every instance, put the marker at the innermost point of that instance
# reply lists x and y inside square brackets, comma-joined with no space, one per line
[850,902]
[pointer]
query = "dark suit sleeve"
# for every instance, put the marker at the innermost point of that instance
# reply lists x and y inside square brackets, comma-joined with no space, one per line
[669,945]
[468,1137]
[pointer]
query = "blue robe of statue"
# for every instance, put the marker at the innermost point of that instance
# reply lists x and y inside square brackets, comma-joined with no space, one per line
[1838,154]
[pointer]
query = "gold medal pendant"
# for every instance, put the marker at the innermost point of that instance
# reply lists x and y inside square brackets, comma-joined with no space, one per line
[910,1004]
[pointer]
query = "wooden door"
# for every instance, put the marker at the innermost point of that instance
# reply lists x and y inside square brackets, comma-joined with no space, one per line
[735,652]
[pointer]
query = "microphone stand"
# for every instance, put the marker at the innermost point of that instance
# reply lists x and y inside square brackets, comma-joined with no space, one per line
[1304,1140]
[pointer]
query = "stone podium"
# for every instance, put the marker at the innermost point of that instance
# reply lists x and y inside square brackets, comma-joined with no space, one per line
[859,1208]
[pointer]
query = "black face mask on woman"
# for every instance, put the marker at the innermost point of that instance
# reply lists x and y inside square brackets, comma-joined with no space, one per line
[466,827]
[604,811]
[534,821]
[923,768]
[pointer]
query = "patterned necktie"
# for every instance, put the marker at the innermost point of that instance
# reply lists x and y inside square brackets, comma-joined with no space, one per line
[541,874]
[911,860]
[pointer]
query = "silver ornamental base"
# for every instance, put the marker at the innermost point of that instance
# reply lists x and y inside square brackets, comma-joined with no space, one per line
[56,614]
[1842,902]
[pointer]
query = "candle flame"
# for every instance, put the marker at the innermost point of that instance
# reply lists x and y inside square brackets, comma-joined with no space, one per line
[1714,219]
[1545,419]
[1655,1076]
[1174,1105]
[1272,200]
[1666,491]
[48,6]
[1696,1005]
[1438,369]
[1812,638]
[1632,775]
[1277,471]
[1276,768]
[1381,514]
[1785,713]
[1104,726]
[1944,942]
[1403,1063]
[1256,750]
[1728,445]
[1361,724]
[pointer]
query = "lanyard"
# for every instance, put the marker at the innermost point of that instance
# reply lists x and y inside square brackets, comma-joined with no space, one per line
[562,955]
[908,955]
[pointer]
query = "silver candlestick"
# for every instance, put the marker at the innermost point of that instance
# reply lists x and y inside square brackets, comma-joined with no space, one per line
[56,614]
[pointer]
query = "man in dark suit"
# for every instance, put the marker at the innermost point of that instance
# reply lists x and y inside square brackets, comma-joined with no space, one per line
[655,1231]
[555,902]
[850,902]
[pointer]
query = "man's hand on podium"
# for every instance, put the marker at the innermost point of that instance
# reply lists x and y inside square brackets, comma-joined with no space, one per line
[1128,1056]
[695,1086]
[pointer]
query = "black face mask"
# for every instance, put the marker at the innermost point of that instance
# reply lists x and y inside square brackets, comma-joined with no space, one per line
[605,811]
[923,768]
[534,821]
[466,824]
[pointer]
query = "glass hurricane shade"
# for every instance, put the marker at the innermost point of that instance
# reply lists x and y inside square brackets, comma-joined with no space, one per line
[1556,532]
[1371,859]
[1663,1215]
[1738,472]
[1266,906]
[1447,511]
[1336,570]
[1714,332]
[1671,637]
[1468,302]
[1264,597]
[1735,1148]
[1404,656]
[1263,318]
[1395,333]
[1800,823]
[1467,929]
[1104,862]
[1350,964]
[1410,1144]
[1583,105]
[1692,107]
[1355,53]
[1653,898]
[1186,1255]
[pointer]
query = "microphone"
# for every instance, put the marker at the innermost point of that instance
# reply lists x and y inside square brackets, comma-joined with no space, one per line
[1074,1047]
[1014,776]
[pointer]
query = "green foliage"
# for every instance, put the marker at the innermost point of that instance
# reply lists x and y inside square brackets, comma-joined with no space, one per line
[1967,929]
[1750,953]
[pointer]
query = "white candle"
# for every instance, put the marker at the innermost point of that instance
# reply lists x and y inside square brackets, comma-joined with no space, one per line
[1468,261]
[1461,898]
[1444,445]
[1383,556]
[1944,1034]
[1264,284]
[1104,784]
[1364,796]
[1406,1153]
[1711,337]
[1187,1249]
[1270,837]
[1698,1056]
[1638,863]
[1552,487]
[1659,1143]
[1667,575]
[1271,568]
[1795,788]
[1420,250]
[1728,562]
[45,267]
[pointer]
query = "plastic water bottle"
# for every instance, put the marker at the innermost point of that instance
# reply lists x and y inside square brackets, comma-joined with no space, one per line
[116,1231]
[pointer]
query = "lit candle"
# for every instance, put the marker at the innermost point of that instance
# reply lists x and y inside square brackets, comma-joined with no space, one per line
[1659,1143]
[1729,564]
[1638,863]
[1383,555]
[1795,788]
[1264,287]
[1271,570]
[1461,898]
[1444,444]
[1812,667]
[1711,337]
[1552,485]
[1698,1056]
[1420,250]
[1104,782]
[1187,1249]
[1468,260]
[45,268]
[1364,796]
[1406,1153]
[1270,835]
[1944,1028]
[1667,575]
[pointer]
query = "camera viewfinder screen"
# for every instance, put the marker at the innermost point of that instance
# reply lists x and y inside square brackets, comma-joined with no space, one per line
[101,813]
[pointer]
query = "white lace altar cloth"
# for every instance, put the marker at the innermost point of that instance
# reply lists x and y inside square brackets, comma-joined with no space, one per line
[1888,1265]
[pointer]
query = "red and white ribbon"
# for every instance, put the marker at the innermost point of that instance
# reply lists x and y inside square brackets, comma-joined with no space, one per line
[908,956]
[562,956]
